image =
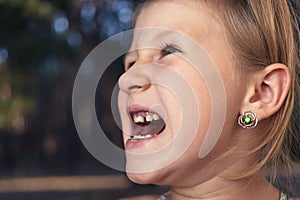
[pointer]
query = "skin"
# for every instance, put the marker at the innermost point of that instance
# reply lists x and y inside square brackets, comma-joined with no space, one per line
[262,92]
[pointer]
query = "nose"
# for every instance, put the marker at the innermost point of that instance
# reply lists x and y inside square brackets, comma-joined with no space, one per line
[136,78]
[133,80]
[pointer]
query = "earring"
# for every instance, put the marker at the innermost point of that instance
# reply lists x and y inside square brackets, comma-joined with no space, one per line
[248,120]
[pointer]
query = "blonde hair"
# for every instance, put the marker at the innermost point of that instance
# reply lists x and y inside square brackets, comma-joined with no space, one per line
[263,32]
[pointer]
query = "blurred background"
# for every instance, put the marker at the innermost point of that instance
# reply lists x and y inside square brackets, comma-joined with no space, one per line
[42,44]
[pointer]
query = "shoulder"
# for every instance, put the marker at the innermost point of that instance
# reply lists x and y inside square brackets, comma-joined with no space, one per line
[145,197]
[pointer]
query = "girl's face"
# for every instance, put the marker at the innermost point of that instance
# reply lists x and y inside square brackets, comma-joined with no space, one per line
[152,112]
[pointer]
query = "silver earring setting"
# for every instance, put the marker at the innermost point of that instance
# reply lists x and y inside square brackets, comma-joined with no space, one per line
[248,120]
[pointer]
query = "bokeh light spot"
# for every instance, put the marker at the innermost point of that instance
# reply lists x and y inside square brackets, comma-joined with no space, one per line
[125,15]
[3,55]
[88,12]
[60,23]
[74,39]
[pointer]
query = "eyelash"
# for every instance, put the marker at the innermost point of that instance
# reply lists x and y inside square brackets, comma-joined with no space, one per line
[130,64]
[166,50]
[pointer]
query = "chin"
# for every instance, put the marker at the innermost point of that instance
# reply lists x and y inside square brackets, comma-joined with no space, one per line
[145,178]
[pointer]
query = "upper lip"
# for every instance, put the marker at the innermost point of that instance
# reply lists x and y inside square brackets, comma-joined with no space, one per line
[133,108]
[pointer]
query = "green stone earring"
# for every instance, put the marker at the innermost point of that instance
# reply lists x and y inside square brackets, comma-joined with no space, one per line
[248,120]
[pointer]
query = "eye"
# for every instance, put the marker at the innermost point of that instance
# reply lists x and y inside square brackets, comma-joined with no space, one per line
[129,65]
[169,49]
[128,61]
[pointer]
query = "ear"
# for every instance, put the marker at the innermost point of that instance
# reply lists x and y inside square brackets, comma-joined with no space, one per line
[267,91]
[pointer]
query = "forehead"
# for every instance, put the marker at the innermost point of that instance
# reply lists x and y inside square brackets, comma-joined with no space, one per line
[186,17]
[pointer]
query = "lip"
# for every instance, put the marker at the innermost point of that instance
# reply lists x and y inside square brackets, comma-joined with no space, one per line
[136,108]
[132,144]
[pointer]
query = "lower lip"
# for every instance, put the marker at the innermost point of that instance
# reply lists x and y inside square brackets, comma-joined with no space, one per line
[133,144]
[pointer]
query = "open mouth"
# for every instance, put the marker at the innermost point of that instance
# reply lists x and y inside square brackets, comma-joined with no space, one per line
[146,125]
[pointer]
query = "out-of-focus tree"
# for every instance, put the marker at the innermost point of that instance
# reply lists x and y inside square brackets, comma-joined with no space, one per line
[42,43]
[22,28]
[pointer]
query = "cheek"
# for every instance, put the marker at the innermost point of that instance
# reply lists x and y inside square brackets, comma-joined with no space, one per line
[200,107]
[205,108]
[173,106]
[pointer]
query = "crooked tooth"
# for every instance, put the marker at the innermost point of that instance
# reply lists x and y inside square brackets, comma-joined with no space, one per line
[155,117]
[149,117]
[138,119]
[135,118]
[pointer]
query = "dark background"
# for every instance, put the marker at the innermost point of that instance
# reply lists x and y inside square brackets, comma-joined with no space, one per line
[42,44]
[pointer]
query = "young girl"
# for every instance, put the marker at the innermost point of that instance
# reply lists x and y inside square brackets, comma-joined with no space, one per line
[254,45]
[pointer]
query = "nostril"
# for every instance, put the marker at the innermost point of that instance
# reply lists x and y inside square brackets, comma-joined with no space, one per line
[139,87]
[133,87]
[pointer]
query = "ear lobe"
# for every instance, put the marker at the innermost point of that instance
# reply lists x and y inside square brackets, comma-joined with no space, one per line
[271,88]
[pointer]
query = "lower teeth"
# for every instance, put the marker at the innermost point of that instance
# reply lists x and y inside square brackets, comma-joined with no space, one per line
[140,137]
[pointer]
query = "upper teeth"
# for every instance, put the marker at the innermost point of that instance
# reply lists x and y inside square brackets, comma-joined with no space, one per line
[155,117]
[149,117]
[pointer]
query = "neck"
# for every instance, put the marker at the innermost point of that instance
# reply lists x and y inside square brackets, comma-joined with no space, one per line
[219,188]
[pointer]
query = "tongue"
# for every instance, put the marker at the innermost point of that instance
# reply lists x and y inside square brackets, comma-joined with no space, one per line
[155,127]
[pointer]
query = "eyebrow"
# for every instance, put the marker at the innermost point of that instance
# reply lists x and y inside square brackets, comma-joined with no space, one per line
[158,36]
